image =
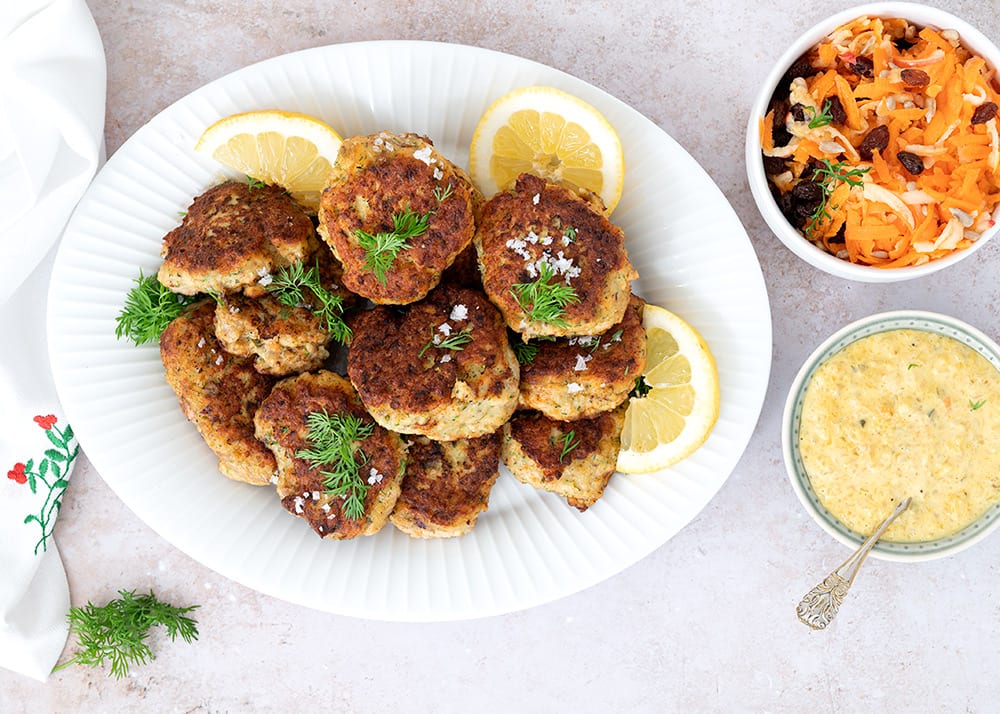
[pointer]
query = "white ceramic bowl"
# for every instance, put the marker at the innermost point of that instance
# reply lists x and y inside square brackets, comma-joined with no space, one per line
[918,14]
[882,322]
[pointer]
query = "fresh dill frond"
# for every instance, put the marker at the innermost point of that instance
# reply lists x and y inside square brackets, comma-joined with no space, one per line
[454,341]
[253,183]
[334,451]
[381,249]
[289,286]
[641,389]
[976,405]
[442,194]
[542,300]
[567,442]
[117,632]
[824,117]
[524,351]
[570,234]
[830,174]
[149,307]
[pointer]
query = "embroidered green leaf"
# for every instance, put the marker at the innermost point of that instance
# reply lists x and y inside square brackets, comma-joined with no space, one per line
[56,455]
[56,441]
[43,468]
[68,433]
[60,483]
[31,517]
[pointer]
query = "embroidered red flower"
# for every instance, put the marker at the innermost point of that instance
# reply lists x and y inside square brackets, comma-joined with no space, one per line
[17,473]
[46,422]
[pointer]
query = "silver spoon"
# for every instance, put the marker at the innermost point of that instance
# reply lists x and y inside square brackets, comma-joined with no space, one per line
[820,605]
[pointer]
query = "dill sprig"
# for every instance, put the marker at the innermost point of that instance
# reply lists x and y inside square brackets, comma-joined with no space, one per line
[524,351]
[117,632]
[149,307]
[567,442]
[641,388]
[335,452]
[289,287]
[830,174]
[441,194]
[976,405]
[542,300]
[253,183]
[454,341]
[824,117]
[382,248]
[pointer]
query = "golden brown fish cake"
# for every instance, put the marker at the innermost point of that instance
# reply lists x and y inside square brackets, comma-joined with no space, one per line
[382,175]
[413,385]
[538,222]
[283,339]
[537,450]
[218,392]
[577,377]
[281,424]
[446,486]
[232,237]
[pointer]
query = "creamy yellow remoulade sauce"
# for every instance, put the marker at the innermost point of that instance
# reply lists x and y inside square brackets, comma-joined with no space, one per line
[904,413]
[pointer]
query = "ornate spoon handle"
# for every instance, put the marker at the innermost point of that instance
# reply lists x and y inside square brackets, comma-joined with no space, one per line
[821,604]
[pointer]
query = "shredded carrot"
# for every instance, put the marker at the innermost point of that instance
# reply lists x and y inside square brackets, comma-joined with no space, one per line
[937,164]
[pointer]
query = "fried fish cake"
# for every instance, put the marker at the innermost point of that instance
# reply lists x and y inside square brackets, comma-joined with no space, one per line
[282,424]
[375,181]
[441,368]
[446,486]
[538,224]
[282,339]
[218,392]
[233,237]
[577,377]
[572,459]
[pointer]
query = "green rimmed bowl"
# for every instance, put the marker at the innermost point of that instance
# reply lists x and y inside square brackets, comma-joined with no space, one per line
[881,322]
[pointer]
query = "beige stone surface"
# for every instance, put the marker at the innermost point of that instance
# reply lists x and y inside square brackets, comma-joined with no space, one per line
[705,623]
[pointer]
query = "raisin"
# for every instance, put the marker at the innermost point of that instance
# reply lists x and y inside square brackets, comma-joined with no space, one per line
[877,138]
[779,134]
[984,112]
[837,113]
[902,44]
[808,191]
[798,112]
[773,165]
[801,67]
[863,67]
[911,162]
[915,77]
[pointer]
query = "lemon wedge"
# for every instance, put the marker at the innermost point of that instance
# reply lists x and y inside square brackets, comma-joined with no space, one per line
[294,151]
[551,134]
[677,413]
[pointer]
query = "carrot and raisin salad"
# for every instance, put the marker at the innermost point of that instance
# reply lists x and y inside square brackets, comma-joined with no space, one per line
[881,143]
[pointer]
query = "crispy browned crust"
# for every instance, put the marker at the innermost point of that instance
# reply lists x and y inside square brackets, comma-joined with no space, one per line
[531,451]
[369,183]
[218,392]
[281,424]
[598,250]
[611,364]
[232,234]
[447,485]
[443,394]
[284,339]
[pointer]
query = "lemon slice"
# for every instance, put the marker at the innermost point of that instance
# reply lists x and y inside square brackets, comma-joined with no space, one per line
[548,133]
[678,412]
[294,151]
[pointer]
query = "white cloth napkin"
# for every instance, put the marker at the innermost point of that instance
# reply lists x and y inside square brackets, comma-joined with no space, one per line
[52,91]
